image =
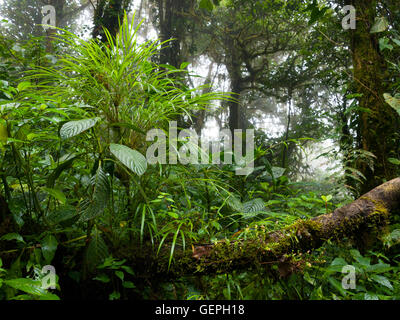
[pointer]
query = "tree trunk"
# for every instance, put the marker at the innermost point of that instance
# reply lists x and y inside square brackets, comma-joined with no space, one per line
[378,122]
[365,216]
[108,14]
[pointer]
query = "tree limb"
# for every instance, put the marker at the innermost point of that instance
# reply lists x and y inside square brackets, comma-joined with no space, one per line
[364,216]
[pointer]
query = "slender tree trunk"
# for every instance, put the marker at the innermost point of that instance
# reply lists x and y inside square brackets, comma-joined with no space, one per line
[233,64]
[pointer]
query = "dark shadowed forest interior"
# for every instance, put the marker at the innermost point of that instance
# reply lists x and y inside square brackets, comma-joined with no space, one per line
[200,149]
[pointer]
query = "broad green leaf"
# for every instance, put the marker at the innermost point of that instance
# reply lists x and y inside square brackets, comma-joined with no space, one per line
[394,161]
[363,261]
[49,247]
[30,286]
[393,102]
[235,203]
[379,268]
[337,265]
[381,24]
[57,194]
[12,236]
[99,197]
[120,274]
[382,280]
[73,128]
[133,159]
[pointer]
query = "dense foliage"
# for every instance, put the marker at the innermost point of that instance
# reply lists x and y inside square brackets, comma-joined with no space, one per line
[78,193]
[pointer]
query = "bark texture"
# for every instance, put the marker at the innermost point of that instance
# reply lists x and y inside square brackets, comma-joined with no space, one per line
[377,121]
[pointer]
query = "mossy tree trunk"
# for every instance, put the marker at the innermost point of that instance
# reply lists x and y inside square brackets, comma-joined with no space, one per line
[377,121]
[365,216]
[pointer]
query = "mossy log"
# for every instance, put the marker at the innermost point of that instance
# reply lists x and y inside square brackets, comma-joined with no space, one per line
[365,216]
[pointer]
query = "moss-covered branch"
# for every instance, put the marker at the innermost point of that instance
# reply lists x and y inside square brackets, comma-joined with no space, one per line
[364,216]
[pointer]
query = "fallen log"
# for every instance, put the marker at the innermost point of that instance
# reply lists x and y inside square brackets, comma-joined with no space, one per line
[365,216]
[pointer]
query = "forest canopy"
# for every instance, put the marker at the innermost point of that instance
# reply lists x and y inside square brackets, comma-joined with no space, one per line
[199,150]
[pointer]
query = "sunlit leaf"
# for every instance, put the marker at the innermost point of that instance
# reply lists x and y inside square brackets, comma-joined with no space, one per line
[133,159]
[49,246]
[381,24]
[73,128]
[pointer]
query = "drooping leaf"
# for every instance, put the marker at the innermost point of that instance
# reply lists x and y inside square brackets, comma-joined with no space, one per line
[382,280]
[120,274]
[99,196]
[235,203]
[27,285]
[278,172]
[394,161]
[379,268]
[49,247]
[12,236]
[133,159]
[396,41]
[393,102]
[73,128]
[96,252]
